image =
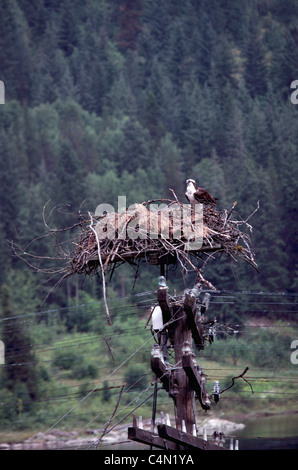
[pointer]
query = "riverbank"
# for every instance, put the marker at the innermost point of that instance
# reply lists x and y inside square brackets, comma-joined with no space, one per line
[261,426]
[66,440]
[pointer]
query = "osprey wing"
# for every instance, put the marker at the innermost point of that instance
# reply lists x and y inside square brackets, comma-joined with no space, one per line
[203,196]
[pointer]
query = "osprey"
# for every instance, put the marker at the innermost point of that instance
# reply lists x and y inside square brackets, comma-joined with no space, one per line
[197,195]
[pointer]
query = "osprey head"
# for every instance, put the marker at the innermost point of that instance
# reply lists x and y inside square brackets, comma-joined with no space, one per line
[191,181]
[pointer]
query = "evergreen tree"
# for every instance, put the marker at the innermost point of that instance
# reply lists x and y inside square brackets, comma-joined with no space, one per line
[68,33]
[15,53]
[130,25]
[51,66]
[223,67]
[46,119]
[67,187]
[235,14]
[20,374]
[255,73]
[170,163]
[135,150]
[36,16]
[207,42]
[153,39]
[127,96]
[176,53]
[9,185]
[269,242]
[258,135]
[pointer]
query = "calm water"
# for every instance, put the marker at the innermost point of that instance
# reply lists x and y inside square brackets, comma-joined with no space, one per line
[278,432]
[270,433]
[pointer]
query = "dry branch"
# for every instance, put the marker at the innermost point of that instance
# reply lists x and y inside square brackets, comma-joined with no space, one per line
[240,376]
[102,268]
[111,417]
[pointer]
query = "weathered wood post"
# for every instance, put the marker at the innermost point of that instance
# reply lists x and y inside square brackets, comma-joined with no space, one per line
[185,397]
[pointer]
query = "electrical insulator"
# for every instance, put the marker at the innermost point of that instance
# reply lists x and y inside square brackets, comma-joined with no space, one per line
[156,352]
[216,387]
[211,333]
[196,290]
[162,281]
[174,390]
[205,303]
[216,390]
[207,403]
[186,349]
[157,320]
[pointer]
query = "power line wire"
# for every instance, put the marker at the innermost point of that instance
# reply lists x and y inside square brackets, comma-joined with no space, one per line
[110,375]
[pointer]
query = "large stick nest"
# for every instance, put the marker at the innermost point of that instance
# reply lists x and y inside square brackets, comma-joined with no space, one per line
[99,244]
[160,238]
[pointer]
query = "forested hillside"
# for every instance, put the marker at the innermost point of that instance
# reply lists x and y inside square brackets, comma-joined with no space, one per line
[131,97]
[108,98]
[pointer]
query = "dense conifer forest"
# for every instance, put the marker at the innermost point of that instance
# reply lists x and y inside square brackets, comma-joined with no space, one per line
[132,97]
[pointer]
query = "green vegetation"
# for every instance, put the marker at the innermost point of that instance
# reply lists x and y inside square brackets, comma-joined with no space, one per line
[131,97]
[66,367]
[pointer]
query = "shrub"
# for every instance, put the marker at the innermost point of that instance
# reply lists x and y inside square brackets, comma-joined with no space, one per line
[134,377]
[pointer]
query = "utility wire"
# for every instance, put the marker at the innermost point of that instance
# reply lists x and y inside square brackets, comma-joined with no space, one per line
[118,299]
[88,394]
[77,343]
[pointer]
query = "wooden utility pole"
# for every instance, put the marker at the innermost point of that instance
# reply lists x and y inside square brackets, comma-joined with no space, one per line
[182,324]
[184,400]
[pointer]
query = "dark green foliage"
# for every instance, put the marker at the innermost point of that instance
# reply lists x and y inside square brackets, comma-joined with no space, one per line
[20,374]
[106,396]
[65,359]
[135,377]
[270,349]
[254,54]
[17,66]
[74,362]
[130,98]
[133,97]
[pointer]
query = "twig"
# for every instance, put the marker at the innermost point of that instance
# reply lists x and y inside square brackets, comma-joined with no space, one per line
[110,351]
[230,213]
[111,417]
[238,377]
[102,270]
[173,192]
[256,209]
